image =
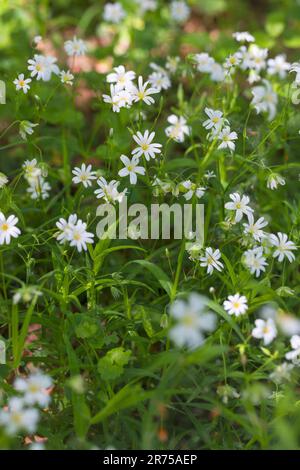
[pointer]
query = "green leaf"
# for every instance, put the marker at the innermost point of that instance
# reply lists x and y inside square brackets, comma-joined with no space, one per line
[111,366]
[157,272]
[220,311]
[274,25]
[181,163]
[81,411]
[128,396]
[87,327]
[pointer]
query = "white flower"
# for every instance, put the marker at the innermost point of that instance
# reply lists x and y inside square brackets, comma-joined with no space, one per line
[37,39]
[243,36]
[284,247]
[215,119]
[160,81]
[121,78]
[75,47]
[26,294]
[288,324]
[217,73]
[118,98]
[146,5]
[282,373]
[22,83]
[227,137]
[26,128]
[254,228]
[113,12]
[79,237]
[256,58]
[131,168]
[34,389]
[191,189]
[172,64]
[3,180]
[192,320]
[253,77]
[66,77]
[38,188]
[109,191]
[204,62]
[239,205]
[274,180]
[8,228]
[232,61]
[65,228]
[293,355]
[210,174]
[265,329]
[255,261]
[236,305]
[17,418]
[178,128]
[210,260]
[265,99]
[278,66]
[42,67]
[37,66]
[31,169]
[145,145]
[84,175]
[179,11]
[142,93]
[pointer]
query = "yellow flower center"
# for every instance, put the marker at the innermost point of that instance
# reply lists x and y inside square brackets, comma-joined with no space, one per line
[77,236]
[16,418]
[33,388]
[188,320]
[4,227]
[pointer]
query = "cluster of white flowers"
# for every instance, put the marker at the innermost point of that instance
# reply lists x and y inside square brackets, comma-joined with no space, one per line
[187,188]
[22,413]
[255,257]
[115,13]
[254,60]
[35,174]
[74,232]
[159,78]
[42,67]
[123,92]
[219,129]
